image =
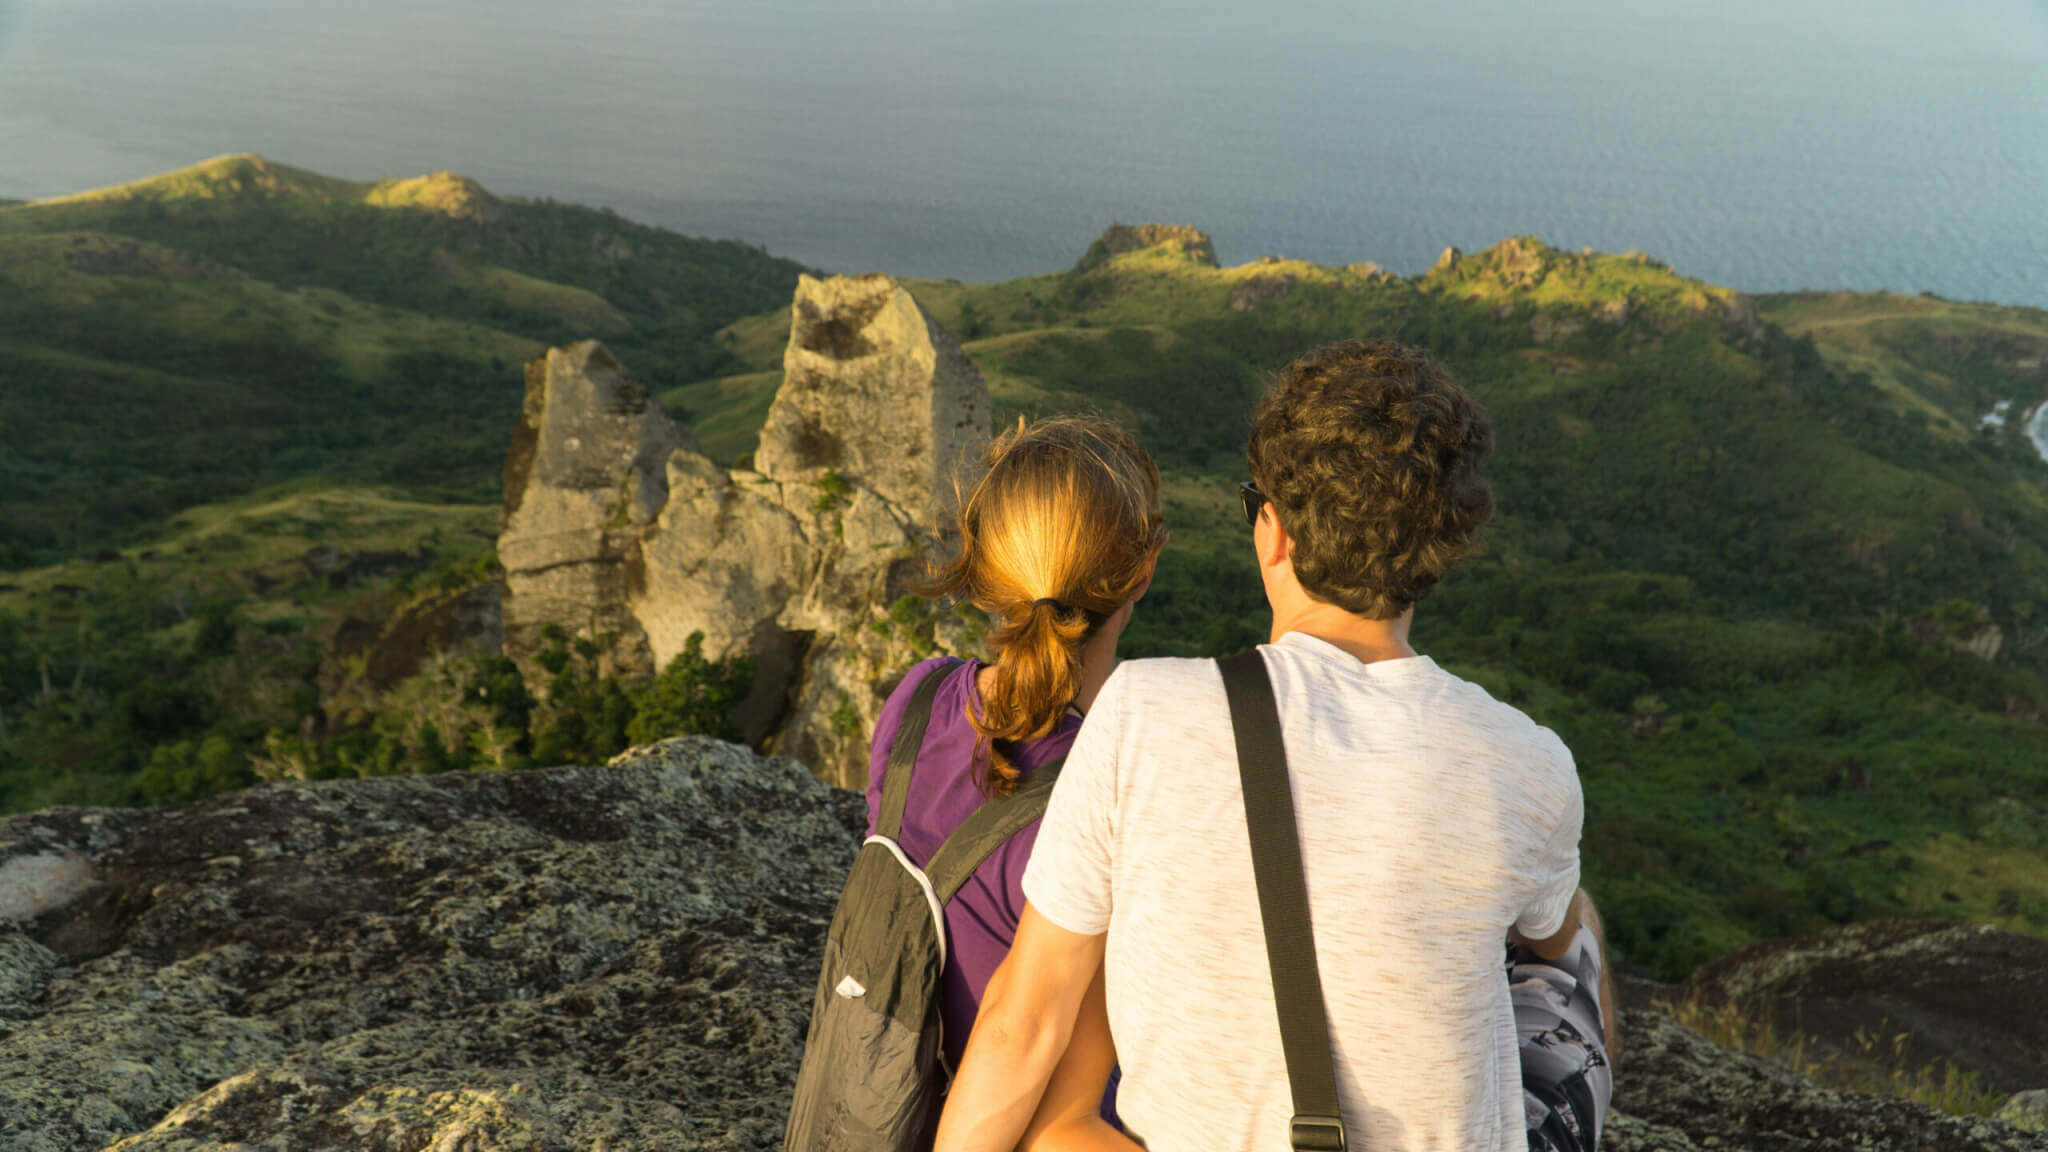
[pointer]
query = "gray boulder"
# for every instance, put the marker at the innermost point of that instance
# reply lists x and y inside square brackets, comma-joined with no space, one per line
[617,957]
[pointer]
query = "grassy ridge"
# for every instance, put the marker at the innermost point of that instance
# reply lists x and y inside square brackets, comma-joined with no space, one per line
[201,334]
[1948,362]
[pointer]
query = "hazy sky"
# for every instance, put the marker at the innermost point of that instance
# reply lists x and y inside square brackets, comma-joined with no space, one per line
[1771,140]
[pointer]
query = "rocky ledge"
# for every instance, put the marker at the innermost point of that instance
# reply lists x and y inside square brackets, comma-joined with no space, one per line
[577,958]
[613,957]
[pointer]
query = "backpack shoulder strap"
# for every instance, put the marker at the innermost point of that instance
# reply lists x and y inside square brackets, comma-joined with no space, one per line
[1283,904]
[991,824]
[917,716]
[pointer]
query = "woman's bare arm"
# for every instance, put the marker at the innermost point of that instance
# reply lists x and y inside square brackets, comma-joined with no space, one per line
[1069,1118]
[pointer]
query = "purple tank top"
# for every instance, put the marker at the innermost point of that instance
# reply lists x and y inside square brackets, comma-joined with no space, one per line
[945,789]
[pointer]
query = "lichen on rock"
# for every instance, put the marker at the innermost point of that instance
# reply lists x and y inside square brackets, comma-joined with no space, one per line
[615,957]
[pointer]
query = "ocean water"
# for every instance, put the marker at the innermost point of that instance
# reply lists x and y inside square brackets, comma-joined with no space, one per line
[1763,144]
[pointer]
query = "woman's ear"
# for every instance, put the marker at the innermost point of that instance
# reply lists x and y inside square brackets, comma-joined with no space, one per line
[1151,570]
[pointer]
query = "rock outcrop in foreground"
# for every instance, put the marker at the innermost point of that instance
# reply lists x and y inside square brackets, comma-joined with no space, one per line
[576,958]
[615,525]
[1677,1093]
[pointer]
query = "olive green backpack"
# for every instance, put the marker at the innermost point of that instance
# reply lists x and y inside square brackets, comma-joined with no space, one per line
[873,1076]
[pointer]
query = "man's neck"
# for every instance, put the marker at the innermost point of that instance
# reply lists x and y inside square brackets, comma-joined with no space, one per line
[1368,640]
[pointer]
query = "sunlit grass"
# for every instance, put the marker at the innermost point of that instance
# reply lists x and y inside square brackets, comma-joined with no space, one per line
[1876,1060]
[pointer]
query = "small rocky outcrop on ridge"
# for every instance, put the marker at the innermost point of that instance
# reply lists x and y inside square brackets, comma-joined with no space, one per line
[1253,291]
[1118,239]
[1644,305]
[616,526]
[565,959]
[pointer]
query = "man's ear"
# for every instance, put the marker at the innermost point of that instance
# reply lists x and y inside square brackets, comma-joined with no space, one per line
[1277,547]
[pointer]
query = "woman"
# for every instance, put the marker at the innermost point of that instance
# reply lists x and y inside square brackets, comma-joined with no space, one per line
[1057,542]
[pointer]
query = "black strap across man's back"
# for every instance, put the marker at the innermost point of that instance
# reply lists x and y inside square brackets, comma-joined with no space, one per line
[1318,1126]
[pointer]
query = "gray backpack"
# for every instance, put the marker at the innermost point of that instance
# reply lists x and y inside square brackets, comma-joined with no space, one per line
[873,1075]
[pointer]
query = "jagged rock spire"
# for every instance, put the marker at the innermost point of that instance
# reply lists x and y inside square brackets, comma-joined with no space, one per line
[615,524]
[874,390]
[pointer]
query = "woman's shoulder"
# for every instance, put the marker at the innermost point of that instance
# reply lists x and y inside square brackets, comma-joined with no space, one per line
[890,722]
[899,696]
[891,717]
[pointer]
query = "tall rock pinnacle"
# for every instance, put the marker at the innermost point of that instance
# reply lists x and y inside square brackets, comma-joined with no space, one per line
[874,390]
[586,476]
[616,524]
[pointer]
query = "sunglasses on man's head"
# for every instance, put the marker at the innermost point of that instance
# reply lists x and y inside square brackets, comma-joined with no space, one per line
[1253,501]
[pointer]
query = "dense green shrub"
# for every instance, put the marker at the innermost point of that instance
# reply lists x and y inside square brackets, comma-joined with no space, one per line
[692,694]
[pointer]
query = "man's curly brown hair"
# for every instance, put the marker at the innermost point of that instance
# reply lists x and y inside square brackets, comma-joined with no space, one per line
[1373,459]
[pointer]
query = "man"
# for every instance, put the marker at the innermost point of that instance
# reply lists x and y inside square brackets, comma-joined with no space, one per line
[1436,824]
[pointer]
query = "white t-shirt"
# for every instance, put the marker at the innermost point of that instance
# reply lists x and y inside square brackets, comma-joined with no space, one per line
[1432,817]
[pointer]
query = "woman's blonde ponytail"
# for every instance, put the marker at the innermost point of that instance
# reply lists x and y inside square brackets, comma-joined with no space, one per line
[1059,535]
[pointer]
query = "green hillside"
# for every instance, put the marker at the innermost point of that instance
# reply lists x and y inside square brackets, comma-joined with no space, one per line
[1762,562]
[1738,558]
[198,335]
[1947,362]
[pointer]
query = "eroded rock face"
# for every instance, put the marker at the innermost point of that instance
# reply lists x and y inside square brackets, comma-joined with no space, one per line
[1520,262]
[877,392]
[616,525]
[587,475]
[615,957]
